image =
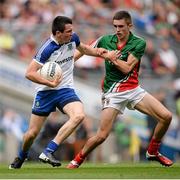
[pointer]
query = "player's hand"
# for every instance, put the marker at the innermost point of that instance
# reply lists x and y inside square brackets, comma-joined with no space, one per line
[54,83]
[101,51]
[113,55]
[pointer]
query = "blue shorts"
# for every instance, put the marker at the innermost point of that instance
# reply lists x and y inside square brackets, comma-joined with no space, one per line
[46,102]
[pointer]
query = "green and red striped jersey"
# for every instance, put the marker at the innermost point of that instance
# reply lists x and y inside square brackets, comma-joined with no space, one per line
[115,80]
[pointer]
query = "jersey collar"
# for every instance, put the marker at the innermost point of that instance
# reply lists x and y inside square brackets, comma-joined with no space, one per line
[115,38]
[53,39]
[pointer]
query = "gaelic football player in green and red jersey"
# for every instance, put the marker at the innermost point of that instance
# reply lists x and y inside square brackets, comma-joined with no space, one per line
[121,89]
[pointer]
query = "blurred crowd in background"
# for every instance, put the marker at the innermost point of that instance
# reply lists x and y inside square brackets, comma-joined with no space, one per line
[24,24]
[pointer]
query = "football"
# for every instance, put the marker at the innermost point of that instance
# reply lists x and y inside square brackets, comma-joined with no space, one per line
[50,70]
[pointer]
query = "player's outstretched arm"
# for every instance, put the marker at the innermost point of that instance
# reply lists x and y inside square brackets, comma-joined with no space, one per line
[88,50]
[77,55]
[101,52]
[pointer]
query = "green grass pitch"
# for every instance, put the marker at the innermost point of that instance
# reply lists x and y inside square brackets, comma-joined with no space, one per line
[92,171]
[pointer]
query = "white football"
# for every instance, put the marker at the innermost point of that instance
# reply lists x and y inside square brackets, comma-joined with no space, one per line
[50,70]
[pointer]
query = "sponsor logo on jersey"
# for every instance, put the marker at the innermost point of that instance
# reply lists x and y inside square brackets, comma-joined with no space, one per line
[37,104]
[70,47]
[105,101]
[65,60]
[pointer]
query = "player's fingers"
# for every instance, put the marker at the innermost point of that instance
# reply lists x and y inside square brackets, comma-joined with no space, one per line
[118,53]
[101,51]
[58,79]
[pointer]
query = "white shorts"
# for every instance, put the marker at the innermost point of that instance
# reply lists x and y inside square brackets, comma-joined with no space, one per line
[121,100]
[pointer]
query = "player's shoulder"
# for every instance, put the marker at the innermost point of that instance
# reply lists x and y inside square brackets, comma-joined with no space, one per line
[49,45]
[47,48]
[106,38]
[75,38]
[137,39]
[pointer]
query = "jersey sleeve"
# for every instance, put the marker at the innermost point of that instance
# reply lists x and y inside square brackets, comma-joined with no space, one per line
[76,39]
[44,52]
[43,56]
[96,43]
[139,50]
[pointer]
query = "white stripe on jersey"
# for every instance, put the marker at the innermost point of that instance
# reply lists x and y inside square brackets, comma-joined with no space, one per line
[43,47]
[95,43]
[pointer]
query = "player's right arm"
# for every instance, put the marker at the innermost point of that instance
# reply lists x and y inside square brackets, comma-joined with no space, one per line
[99,52]
[33,75]
[133,58]
[88,50]
[77,55]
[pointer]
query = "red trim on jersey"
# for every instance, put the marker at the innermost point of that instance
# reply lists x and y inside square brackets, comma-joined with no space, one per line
[102,84]
[131,83]
[121,46]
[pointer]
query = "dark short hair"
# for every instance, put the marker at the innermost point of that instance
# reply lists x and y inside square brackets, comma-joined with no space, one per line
[59,23]
[123,15]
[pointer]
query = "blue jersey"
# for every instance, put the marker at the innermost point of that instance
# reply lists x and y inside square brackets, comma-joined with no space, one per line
[63,54]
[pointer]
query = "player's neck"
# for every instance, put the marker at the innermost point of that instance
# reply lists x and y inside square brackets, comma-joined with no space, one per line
[59,41]
[123,40]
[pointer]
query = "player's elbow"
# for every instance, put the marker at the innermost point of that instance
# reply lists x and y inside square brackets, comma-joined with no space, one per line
[28,75]
[126,71]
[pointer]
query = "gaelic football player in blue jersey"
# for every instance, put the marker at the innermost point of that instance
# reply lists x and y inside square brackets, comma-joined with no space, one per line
[59,93]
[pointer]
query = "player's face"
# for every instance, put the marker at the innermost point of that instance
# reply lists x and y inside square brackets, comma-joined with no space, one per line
[122,28]
[65,36]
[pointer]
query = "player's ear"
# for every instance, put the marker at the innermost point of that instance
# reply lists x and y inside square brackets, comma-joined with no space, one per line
[58,33]
[130,25]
